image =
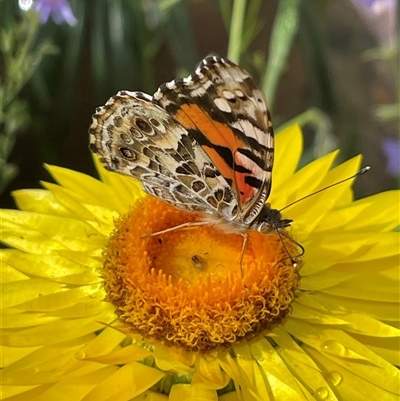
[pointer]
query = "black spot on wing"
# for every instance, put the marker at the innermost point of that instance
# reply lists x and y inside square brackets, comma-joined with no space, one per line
[222,151]
[253,181]
[219,195]
[188,168]
[263,161]
[241,169]
[197,186]
[210,171]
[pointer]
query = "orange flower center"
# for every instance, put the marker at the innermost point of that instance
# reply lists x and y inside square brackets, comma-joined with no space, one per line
[187,288]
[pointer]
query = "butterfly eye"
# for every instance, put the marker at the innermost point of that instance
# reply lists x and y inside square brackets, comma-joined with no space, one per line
[128,154]
[265,228]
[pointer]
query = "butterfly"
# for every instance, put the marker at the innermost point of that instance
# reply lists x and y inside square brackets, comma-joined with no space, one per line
[204,144]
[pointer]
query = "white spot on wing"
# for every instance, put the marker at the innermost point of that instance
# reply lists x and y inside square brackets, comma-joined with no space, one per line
[170,85]
[222,104]
[257,171]
[239,93]
[198,92]
[207,85]
[249,130]
[228,95]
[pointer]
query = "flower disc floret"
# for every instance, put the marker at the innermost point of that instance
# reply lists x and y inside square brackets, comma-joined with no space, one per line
[186,287]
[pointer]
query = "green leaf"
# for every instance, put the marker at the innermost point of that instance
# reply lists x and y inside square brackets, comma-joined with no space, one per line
[236,30]
[283,33]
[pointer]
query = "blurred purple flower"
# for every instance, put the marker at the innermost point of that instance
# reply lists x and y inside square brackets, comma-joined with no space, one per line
[391,148]
[59,10]
[380,17]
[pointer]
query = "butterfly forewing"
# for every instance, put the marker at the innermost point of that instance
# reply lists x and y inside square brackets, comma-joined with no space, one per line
[222,108]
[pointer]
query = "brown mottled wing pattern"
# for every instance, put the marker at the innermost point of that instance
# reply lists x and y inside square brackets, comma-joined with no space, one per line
[202,143]
[136,137]
[224,111]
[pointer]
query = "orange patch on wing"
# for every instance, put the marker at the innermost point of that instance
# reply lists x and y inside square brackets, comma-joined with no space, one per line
[220,163]
[217,133]
[246,192]
[191,116]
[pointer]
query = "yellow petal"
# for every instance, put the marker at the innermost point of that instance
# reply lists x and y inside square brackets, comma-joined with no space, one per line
[8,273]
[39,201]
[12,355]
[75,388]
[59,330]
[242,378]
[278,375]
[386,348]
[66,198]
[127,382]
[347,352]
[151,396]
[363,324]
[46,363]
[63,299]
[180,392]
[48,266]
[39,233]
[22,393]
[17,292]
[20,320]
[372,214]
[103,343]
[99,217]
[308,212]
[385,311]
[121,356]
[300,184]
[208,373]
[164,358]
[129,188]
[359,381]
[288,149]
[88,189]
[311,315]
[324,279]
[324,251]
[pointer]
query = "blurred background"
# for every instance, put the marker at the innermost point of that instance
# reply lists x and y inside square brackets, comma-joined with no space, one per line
[330,65]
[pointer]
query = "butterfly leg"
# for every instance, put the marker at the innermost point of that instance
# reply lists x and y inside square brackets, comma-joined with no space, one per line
[245,240]
[293,261]
[191,224]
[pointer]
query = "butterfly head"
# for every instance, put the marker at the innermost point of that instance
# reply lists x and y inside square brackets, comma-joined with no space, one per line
[270,220]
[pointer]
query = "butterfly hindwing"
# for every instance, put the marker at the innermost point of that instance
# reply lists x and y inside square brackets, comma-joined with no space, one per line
[138,138]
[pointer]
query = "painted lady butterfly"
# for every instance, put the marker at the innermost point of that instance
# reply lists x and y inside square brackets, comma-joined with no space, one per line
[203,143]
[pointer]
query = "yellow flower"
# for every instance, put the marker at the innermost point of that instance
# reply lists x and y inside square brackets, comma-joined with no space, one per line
[71,330]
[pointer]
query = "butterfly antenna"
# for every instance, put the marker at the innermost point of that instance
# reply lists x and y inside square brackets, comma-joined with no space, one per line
[360,172]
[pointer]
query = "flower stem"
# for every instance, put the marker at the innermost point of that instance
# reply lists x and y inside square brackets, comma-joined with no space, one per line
[236,30]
